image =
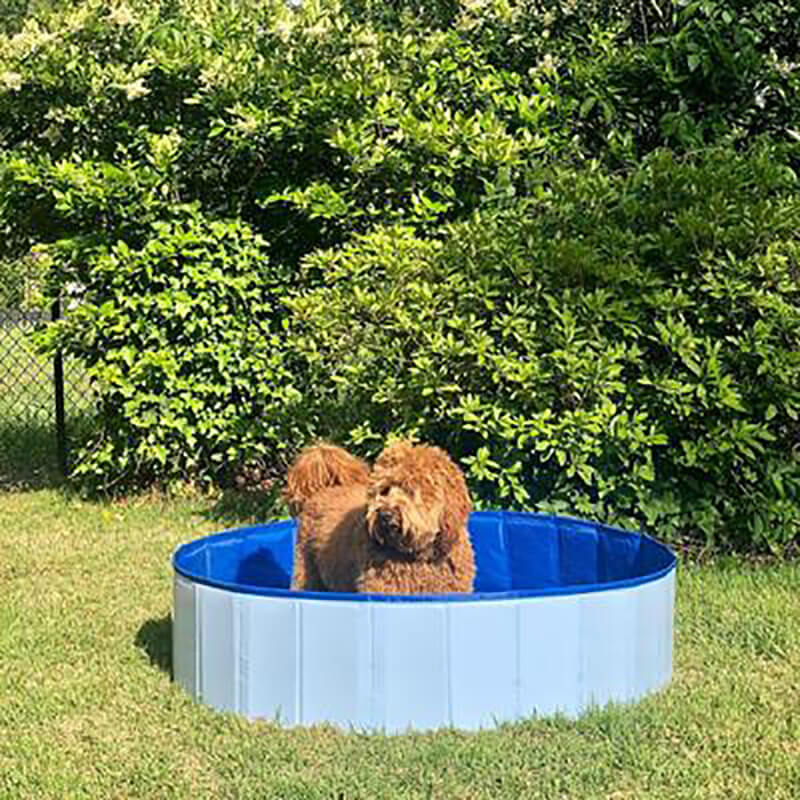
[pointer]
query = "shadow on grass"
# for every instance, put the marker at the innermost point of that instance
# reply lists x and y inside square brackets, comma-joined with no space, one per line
[155,638]
[28,455]
[247,506]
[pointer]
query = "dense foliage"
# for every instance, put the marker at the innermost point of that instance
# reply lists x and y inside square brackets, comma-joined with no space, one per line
[557,237]
[633,354]
[180,341]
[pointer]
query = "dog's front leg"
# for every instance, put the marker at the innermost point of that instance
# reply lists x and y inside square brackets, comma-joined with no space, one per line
[306,577]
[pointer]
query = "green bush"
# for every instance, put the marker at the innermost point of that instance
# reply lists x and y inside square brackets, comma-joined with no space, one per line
[307,123]
[637,76]
[627,348]
[21,283]
[557,237]
[316,122]
[182,341]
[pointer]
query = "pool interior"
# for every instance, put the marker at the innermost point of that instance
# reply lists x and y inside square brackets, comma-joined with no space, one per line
[514,553]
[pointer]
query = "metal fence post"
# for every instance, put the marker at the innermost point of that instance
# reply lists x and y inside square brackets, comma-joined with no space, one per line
[58,380]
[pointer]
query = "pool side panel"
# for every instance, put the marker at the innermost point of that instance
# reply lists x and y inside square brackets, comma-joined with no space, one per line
[410,662]
[335,673]
[551,676]
[667,622]
[184,629]
[484,673]
[608,646]
[653,632]
[402,665]
[218,648]
[270,667]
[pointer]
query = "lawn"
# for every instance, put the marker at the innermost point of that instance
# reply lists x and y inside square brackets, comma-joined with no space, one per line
[87,708]
[28,454]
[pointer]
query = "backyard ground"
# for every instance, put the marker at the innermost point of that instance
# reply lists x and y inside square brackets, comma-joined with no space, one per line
[28,452]
[87,707]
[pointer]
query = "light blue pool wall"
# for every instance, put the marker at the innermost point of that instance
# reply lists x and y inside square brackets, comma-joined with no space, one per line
[546,637]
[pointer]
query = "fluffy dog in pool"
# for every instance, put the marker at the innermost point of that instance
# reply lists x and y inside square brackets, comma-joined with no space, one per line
[399,528]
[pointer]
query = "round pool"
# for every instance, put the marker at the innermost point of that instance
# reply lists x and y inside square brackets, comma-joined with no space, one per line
[566,615]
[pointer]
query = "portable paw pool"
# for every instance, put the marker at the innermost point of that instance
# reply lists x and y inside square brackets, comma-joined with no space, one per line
[566,615]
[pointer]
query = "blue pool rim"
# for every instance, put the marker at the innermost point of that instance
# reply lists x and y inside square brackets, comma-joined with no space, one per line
[665,562]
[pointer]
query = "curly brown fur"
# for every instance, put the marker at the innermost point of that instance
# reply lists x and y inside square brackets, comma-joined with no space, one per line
[318,467]
[402,532]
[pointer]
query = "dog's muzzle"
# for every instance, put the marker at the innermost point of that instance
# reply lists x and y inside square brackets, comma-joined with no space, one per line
[386,520]
[390,531]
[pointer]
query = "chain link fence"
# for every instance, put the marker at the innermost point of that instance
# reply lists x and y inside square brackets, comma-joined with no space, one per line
[43,401]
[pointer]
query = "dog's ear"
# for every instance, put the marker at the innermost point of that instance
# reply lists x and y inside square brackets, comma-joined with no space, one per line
[453,523]
[457,504]
[373,529]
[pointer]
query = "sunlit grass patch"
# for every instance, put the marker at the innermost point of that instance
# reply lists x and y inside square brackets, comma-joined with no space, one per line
[87,706]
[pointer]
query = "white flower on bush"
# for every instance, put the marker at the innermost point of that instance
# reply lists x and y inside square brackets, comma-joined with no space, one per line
[547,64]
[781,65]
[283,29]
[136,89]
[73,294]
[52,133]
[121,15]
[164,149]
[11,80]
[477,12]
[246,122]
[366,38]
[320,29]
[475,6]
[30,39]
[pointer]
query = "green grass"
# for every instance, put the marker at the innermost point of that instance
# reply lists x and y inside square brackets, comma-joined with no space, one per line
[87,708]
[28,455]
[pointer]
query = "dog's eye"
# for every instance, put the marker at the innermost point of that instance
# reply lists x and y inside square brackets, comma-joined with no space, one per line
[384,491]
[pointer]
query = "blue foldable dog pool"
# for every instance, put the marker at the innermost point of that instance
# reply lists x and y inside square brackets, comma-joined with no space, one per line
[566,615]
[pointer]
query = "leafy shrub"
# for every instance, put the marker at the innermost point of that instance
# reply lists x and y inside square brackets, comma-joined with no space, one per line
[308,123]
[637,76]
[469,212]
[181,337]
[315,121]
[21,283]
[626,348]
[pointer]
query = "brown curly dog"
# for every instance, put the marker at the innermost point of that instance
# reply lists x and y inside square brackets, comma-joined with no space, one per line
[400,528]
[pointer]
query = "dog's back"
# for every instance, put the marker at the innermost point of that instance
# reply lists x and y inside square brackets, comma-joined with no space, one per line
[321,466]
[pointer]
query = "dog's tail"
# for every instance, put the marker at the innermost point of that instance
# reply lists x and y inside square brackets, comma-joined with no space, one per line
[318,467]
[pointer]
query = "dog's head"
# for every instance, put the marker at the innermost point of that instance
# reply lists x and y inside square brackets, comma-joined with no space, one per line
[417,501]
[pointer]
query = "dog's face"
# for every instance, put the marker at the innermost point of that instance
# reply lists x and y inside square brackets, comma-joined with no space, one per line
[417,501]
[402,517]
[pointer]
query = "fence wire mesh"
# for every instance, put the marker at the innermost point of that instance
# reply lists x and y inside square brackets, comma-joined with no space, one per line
[26,378]
[36,427]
